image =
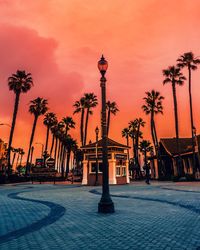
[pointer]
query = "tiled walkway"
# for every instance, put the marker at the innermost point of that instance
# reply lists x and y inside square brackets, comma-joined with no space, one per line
[159,216]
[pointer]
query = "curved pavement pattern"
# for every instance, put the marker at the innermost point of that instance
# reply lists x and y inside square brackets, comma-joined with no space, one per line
[160,216]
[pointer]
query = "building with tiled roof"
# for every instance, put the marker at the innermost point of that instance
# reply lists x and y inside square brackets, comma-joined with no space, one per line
[117,161]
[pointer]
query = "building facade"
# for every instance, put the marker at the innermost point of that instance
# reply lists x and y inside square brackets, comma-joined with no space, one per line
[117,161]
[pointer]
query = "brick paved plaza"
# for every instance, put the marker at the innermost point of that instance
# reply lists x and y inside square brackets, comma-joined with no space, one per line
[159,216]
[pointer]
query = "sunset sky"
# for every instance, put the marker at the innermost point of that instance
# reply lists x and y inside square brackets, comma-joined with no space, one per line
[61,41]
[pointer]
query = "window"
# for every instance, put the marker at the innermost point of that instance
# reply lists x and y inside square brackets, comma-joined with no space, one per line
[118,171]
[123,171]
[93,167]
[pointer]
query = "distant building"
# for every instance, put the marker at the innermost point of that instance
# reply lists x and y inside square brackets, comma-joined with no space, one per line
[169,156]
[117,160]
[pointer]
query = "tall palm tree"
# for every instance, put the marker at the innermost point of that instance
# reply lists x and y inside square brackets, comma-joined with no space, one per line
[20,82]
[112,109]
[140,123]
[49,121]
[153,106]
[125,133]
[175,77]
[189,61]
[80,108]
[37,107]
[90,102]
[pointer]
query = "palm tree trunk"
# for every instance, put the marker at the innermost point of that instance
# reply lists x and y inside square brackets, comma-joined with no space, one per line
[55,151]
[152,131]
[86,126]
[17,160]
[127,140]
[21,160]
[176,125]
[192,121]
[52,145]
[47,138]
[13,160]
[82,126]
[108,122]
[31,142]
[12,128]
[58,154]
[67,162]
[176,116]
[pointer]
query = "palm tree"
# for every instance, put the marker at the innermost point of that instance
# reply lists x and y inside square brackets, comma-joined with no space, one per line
[80,108]
[20,82]
[70,144]
[112,109]
[125,133]
[53,131]
[152,107]
[139,123]
[189,61]
[15,151]
[69,123]
[49,121]
[37,107]
[18,155]
[90,102]
[22,153]
[58,134]
[145,147]
[175,77]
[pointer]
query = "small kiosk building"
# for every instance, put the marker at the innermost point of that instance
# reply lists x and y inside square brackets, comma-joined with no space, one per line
[117,161]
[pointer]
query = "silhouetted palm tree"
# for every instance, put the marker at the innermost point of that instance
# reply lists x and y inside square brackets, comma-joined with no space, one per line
[49,121]
[69,143]
[20,82]
[80,108]
[37,107]
[175,77]
[125,133]
[22,153]
[153,106]
[112,109]
[53,131]
[69,123]
[18,155]
[145,147]
[90,102]
[189,61]
[139,123]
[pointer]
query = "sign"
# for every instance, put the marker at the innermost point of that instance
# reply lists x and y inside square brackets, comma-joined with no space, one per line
[50,163]
[120,157]
[39,162]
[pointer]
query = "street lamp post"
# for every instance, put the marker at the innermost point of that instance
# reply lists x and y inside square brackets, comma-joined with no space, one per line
[97,133]
[105,205]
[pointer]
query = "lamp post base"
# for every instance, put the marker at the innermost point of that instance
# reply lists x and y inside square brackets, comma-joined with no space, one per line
[106,207]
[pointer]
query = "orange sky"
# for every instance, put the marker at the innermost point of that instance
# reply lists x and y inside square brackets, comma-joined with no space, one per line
[60,42]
